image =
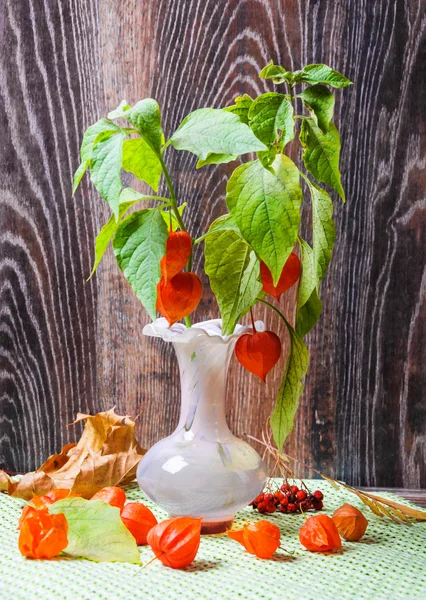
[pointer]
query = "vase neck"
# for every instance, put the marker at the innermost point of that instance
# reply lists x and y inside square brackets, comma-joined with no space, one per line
[203,365]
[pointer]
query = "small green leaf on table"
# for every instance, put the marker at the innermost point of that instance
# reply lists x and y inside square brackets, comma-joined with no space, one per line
[141,160]
[282,418]
[266,208]
[319,73]
[269,114]
[234,273]
[105,168]
[96,531]
[321,154]
[145,116]
[139,244]
[215,131]
[320,101]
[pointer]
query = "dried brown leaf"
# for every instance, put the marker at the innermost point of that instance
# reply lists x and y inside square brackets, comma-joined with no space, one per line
[106,454]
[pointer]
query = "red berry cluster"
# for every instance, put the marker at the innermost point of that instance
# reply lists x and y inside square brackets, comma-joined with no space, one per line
[288,499]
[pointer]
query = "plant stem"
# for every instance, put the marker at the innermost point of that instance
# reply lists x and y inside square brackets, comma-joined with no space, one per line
[172,193]
[276,310]
[176,212]
[252,320]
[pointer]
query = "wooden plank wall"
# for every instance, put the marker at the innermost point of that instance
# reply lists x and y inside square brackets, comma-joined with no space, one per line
[68,346]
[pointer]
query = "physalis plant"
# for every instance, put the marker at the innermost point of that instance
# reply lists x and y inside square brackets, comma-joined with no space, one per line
[250,251]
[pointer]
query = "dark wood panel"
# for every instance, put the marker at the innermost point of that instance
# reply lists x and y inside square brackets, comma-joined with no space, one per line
[47,326]
[68,346]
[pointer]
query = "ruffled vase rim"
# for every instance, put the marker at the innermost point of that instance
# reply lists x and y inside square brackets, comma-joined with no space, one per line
[179,333]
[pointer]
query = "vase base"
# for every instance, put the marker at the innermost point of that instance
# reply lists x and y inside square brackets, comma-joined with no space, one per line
[212,527]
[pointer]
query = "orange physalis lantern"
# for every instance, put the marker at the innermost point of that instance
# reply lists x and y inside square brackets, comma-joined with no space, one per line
[139,520]
[178,298]
[350,522]
[176,541]
[112,495]
[258,352]
[43,535]
[261,538]
[289,275]
[178,251]
[319,534]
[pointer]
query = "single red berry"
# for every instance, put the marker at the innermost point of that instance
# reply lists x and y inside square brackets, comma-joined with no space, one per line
[284,501]
[285,487]
[268,497]
[261,507]
[318,505]
[318,495]
[294,489]
[271,508]
[301,495]
[279,496]
[292,508]
[305,505]
[283,508]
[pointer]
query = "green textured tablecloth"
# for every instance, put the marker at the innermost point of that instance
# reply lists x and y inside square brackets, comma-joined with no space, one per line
[389,563]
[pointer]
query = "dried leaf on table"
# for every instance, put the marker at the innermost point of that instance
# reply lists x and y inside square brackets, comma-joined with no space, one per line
[106,454]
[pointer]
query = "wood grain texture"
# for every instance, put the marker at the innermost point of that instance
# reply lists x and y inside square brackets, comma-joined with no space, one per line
[68,346]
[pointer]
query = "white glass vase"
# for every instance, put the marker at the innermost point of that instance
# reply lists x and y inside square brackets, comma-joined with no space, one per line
[202,469]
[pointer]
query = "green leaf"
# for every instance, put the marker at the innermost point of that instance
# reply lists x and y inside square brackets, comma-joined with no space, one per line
[166,216]
[118,113]
[315,260]
[234,273]
[216,159]
[96,531]
[308,314]
[86,149]
[321,155]
[320,101]
[308,278]
[241,107]
[282,418]
[106,233]
[146,117]
[214,131]
[266,208]
[105,168]
[139,244]
[321,74]
[275,72]
[323,229]
[269,114]
[268,157]
[141,160]
[225,222]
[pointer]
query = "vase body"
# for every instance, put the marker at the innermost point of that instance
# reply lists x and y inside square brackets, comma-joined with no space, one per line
[201,469]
